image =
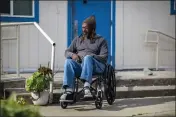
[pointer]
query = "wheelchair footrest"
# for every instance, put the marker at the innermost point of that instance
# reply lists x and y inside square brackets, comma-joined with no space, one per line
[88,99]
[66,101]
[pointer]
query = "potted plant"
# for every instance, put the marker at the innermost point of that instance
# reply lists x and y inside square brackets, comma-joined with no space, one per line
[38,85]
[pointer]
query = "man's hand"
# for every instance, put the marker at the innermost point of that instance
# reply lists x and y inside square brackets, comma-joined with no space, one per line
[75,57]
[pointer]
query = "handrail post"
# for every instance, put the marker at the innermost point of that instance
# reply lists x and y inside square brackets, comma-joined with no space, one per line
[157,52]
[52,59]
[146,35]
[18,50]
[52,67]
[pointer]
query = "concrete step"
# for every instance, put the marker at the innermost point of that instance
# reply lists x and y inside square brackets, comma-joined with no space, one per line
[121,92]
[127,83]
[133,78]
[19,83]
[134,82]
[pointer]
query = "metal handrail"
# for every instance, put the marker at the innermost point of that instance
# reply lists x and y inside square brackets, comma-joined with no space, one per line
[162,34]
[18,48]
[157,43]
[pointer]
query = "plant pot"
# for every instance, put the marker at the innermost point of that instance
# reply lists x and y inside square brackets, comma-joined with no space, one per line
[40,98]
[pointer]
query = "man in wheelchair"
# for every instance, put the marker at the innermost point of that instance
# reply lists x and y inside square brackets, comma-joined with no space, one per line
[86,56]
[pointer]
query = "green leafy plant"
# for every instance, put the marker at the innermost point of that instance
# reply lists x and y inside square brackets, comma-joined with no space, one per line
[46,71]
[11,108]
[39,80]
[21,100]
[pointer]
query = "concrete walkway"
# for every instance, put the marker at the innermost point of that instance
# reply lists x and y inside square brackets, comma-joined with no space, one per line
[153,106]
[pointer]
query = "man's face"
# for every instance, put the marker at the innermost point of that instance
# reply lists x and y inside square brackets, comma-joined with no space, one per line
[85,29]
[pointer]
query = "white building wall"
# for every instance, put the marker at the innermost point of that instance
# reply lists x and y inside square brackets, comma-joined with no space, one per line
[34,48]
[133,19]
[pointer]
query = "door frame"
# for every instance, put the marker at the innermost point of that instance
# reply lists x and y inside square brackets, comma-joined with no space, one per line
[113,20]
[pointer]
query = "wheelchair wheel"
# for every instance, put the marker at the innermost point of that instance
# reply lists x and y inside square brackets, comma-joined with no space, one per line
[99,100]
[64,105]
[110,89]
[98,104]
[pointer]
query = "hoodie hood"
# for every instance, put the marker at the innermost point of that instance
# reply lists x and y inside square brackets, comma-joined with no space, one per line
[91,21]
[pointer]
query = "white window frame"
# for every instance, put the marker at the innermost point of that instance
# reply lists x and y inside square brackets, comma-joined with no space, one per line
[12,15]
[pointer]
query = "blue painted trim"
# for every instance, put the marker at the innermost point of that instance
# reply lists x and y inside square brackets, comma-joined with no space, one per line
[69,23]
[113,33]
[172,10]
[24,19]
[37,11]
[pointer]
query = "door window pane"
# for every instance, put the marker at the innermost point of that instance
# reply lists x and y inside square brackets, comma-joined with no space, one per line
[22,7]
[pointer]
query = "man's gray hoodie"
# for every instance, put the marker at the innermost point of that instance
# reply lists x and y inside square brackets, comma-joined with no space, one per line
[98,49]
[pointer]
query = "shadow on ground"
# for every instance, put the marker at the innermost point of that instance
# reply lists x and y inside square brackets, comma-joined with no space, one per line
[120,104]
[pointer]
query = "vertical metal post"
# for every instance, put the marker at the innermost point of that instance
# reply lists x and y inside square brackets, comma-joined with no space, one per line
[1,62]
[18,51]
[157,52]
[52,67]
[146,35]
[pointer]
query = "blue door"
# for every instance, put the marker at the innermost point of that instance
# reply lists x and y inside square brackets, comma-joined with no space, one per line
[81,9]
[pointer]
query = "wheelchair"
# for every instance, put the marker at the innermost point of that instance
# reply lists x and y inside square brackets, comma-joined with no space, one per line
[105,87]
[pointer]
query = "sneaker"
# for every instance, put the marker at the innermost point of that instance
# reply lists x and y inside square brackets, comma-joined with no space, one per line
[67,96]
[87,93]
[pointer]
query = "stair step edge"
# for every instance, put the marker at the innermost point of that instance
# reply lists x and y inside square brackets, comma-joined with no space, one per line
[125,89]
